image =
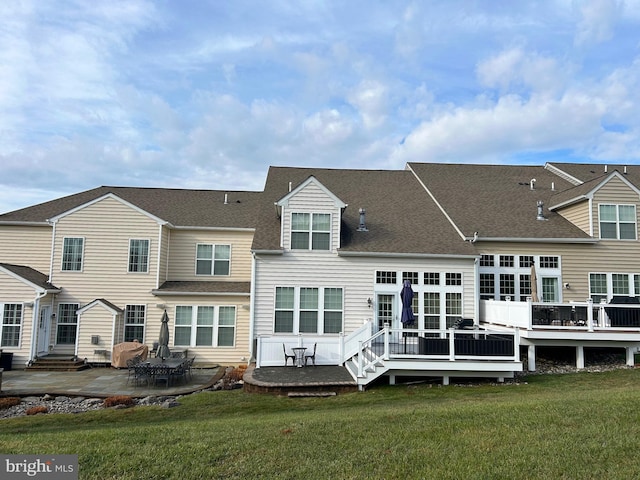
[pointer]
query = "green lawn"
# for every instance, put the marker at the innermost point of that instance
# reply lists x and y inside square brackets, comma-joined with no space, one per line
[574,426]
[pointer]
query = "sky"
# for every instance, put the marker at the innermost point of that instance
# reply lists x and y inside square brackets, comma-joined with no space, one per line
[208,94]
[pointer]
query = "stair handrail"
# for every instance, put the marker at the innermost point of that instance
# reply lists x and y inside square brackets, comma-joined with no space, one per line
[350,346]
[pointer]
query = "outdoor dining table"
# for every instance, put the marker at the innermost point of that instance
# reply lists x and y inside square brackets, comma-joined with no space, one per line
[173,364]
[299,353]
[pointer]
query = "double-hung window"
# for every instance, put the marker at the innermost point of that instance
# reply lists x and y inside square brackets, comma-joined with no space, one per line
[72,250]
[134,323]
[205,326]
[310,231]
[617,221]
[138,256]
[67,325]
[213,259]
[308,310]
[11,324]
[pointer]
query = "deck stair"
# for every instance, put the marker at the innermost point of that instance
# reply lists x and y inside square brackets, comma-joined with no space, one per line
[58,363]
[373,367]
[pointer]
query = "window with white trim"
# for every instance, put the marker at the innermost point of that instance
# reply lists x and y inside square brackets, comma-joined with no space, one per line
[511,276]
[617,221]
[67,324]
[205,326]
[213,259]
[72,252]
[308,310]
[310,231]
[134,317]
[603,286]
[138,256]
[11,325]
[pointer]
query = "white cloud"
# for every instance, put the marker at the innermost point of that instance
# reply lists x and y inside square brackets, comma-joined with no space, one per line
[597,19]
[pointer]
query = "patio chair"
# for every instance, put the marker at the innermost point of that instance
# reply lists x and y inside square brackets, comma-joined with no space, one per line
[180,373]
[287,357]
[142,374]
[162,373]
[311,356]
[131,363]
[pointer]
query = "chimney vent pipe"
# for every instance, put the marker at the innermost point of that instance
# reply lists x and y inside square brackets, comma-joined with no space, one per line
[363,226]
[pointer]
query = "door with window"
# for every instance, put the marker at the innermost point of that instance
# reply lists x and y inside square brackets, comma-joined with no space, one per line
[44,331]
[386,311]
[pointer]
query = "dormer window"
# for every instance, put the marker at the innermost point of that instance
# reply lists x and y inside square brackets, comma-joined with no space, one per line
[310,231]
[617,222]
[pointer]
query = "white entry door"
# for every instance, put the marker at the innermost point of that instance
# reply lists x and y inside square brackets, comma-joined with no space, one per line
[44,331]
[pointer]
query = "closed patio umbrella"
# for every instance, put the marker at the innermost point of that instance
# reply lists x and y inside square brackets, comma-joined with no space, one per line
[407,318]
[534,283]
[163,340]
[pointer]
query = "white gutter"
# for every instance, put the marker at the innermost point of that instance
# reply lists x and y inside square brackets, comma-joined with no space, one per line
[252,304]
[215,229]
[402,255]
[538,240]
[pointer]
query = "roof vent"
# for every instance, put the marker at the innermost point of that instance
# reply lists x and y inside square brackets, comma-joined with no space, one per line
[226,199]
[625,169]
[553,186]
[606,167]
[532,184]
[540,211]
[362,227]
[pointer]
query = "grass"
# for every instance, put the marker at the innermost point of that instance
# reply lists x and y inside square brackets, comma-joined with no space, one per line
[576,426]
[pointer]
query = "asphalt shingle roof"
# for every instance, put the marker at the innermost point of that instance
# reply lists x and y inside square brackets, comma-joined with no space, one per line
[497,200]
[400,216]
[187,208]
[204,287]
[31,275]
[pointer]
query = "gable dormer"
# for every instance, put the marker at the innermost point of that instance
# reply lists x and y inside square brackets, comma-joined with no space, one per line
[605,207]
[310,216]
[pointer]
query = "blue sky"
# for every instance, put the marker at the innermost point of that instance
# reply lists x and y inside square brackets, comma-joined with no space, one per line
[208,94]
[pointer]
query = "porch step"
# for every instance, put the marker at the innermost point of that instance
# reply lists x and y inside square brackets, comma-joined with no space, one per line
[58,363]
[311,394]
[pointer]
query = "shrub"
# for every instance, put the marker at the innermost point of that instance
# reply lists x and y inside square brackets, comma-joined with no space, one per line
[9,402]
[118,400]
[36,410]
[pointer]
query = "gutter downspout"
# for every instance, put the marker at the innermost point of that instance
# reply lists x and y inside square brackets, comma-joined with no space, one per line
[252,303]
[34,324]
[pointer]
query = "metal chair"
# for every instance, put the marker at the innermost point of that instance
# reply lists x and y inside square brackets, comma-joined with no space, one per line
[311,356]
[142,373]
[162,373]
[287,357]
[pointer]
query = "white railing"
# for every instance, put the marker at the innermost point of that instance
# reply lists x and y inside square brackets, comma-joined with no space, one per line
[269,348]
[350,344]
[561,316]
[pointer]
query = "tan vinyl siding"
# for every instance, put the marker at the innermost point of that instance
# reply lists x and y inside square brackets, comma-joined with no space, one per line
[106,226]
[182,258]
[95,321]
[206,354]
[355,275]
[615,192]
[26,245]
[577,261]
[14,291]
[311,199]
[578,214]
[165,252]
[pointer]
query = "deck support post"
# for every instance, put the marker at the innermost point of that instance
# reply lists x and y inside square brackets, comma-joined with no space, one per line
[531,358]
[580,357]
[630,356]
[392,379]
[445,380]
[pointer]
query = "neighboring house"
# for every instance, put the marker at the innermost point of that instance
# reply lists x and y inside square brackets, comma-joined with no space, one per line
[85,272]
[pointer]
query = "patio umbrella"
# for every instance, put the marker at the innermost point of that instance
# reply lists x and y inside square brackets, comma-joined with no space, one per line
[534,283]
[163,341]
[406,295]
[407,318]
